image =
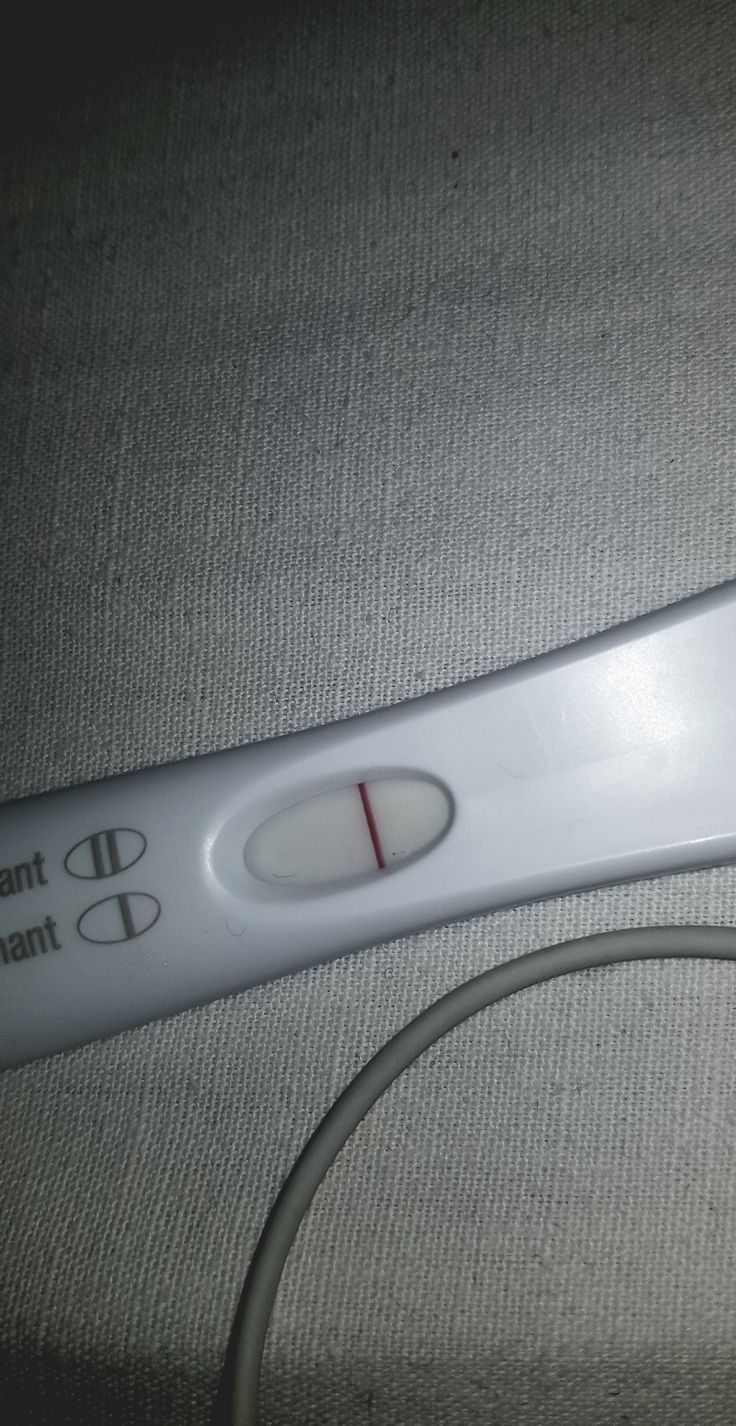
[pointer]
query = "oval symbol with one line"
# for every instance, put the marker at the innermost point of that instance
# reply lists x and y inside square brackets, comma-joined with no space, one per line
[119,918]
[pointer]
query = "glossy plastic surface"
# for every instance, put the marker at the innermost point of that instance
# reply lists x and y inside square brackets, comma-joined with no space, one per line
[130,899]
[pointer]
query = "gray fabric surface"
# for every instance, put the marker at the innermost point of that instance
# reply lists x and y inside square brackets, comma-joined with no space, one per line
[371,348]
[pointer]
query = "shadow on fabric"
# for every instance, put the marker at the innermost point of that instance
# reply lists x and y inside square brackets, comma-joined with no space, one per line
[61,60]
[680,1388]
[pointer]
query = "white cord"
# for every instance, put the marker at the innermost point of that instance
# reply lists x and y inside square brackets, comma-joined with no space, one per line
[237,1401]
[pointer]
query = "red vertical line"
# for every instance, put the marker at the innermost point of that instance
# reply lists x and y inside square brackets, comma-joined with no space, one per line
[372,828]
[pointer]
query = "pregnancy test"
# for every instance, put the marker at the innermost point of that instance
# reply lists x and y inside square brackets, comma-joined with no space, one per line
[141,895]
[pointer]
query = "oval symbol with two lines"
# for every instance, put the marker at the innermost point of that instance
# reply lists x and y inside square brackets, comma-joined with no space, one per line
[119,918]
[105,853]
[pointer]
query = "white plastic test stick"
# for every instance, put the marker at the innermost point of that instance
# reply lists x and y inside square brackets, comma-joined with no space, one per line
[141,895]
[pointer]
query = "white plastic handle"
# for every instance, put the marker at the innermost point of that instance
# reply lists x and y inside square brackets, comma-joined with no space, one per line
[139,896]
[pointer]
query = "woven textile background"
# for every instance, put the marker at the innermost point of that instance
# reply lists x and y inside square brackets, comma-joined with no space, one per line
[354,350]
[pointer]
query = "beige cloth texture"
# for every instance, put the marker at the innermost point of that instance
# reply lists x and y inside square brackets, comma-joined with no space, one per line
[359,350]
